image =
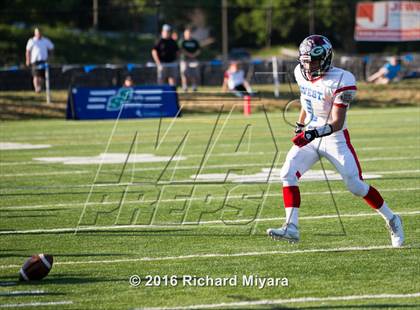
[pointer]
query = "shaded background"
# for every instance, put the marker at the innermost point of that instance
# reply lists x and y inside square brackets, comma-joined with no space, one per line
[121,31]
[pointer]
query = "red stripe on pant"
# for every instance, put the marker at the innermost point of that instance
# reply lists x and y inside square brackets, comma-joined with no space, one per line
[291,196]
[347,137]
[373,198]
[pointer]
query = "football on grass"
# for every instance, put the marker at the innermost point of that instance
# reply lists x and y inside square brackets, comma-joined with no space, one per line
[36,267]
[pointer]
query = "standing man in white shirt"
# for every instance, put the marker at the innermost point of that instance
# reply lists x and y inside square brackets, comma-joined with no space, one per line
[38,49]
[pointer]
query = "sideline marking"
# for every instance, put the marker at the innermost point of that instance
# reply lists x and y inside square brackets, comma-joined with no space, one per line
[22,293]
[22,146]
[285,301]
[185,225]
[171,168]
[108,158]
[80,204]
[37,304]
[220,255]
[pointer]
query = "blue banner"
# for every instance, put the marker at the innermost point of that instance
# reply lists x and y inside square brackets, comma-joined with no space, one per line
[133,102]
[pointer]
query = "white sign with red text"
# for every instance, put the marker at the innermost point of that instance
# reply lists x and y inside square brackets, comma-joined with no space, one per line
[387,21]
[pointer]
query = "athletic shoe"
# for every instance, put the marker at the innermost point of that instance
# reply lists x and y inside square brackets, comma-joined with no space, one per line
[396,229]
[288,232]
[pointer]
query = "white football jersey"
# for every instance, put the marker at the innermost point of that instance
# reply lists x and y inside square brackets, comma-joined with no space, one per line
[317,97]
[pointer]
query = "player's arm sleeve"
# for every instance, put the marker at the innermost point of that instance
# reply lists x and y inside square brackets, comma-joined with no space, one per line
[156,46]
[50,45]
[345,94]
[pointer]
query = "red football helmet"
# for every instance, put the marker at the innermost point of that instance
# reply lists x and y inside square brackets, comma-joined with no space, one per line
[315,56]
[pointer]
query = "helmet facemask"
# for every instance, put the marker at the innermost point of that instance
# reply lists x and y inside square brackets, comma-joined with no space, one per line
[311,68]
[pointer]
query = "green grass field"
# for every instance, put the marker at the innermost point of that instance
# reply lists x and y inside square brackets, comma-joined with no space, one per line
[178,215]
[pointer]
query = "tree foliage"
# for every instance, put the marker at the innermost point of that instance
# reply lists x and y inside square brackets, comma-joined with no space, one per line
[290,20]
[251,23]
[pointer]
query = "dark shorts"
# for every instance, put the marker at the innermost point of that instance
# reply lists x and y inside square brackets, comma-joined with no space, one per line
[36,70]
[167,70]
[241,88]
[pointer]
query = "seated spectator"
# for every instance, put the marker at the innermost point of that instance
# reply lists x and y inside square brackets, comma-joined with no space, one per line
[390,72]
[128,82]
[234,79]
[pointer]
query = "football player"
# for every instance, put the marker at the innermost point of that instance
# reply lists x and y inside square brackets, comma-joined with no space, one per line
[321,131]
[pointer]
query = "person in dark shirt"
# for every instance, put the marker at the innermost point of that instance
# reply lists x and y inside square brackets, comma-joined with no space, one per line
[165,53]
[190,71]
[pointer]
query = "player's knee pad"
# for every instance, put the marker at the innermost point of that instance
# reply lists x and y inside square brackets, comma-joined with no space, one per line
[356,186]
[288,176]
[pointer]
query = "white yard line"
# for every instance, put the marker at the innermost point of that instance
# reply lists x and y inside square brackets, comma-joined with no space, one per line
[216,255]
[380,148]
[315,217]
[266,302]
[188,225]
[75,133]
[395,171]
[34,174]
[191,147]
[154,168]
[237,154]
[389,158]
[37,304]
[137,169]
[87,228]
[93,132]
[72,205]
[233,154]
[18,163]
[20,293]
[70,172]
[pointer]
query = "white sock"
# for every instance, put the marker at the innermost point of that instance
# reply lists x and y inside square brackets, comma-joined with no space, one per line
[385,212]
[292,215]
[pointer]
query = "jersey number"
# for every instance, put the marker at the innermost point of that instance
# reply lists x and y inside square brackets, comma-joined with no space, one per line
[310,110]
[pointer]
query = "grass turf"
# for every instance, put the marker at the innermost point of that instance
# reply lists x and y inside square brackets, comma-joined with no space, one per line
[93,266]
[18,105]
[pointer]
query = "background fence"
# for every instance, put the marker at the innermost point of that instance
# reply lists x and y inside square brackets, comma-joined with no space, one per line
[258,71]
